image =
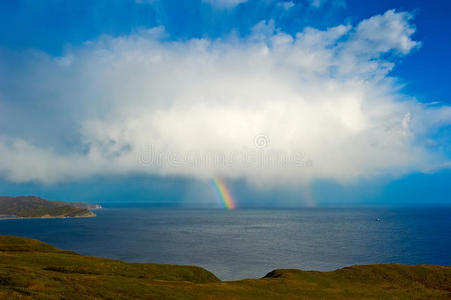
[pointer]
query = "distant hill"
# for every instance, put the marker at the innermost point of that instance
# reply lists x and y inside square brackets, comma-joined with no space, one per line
[36,207]
[30,269]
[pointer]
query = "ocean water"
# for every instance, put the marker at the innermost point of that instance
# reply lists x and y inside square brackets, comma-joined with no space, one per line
[249,243]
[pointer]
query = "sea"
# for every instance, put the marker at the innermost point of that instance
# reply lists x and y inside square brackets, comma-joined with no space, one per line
[249,243]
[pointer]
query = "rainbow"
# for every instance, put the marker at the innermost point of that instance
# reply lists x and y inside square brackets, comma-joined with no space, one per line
[223,193]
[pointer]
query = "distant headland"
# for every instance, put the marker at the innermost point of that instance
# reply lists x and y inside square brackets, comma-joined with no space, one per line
[36,207]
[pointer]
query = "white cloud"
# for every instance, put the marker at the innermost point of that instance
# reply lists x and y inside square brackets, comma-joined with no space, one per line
[383,33]
[320,3]
[287,5]
[319,105]
[225,3]
[317,3]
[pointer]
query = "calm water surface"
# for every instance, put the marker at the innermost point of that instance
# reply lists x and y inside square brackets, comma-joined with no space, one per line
[250,243]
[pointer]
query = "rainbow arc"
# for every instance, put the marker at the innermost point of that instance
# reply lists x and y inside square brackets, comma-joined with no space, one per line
[223,193]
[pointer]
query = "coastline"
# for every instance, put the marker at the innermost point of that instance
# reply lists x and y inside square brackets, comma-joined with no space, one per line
[46,217]
[33,207]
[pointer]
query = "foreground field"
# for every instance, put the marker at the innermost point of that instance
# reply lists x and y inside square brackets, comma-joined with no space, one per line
[31,269]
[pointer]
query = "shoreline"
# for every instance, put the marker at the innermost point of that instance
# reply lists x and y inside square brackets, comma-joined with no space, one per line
[33,207]
[45,217]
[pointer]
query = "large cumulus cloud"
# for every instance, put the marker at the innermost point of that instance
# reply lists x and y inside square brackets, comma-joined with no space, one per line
[270,107]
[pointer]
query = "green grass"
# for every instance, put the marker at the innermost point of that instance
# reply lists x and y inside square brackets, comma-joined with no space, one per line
[31,269]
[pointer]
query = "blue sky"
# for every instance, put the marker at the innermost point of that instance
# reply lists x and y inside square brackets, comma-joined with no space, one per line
[55,63]
[53,25]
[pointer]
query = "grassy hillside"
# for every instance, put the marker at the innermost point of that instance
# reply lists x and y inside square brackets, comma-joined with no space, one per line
[35,207]
[31,269]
